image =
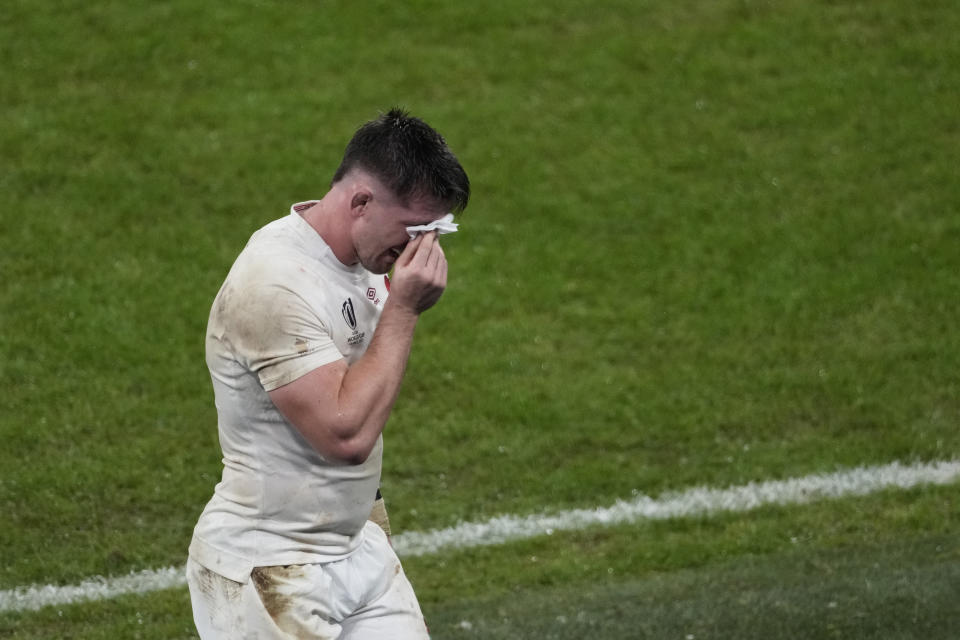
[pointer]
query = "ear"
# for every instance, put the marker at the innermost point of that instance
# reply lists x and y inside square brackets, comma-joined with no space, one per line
[358,202]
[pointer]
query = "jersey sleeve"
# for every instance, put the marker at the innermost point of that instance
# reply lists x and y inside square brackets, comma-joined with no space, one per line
[275,332]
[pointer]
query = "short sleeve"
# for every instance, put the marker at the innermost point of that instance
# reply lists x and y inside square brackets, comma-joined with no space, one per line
[274,331]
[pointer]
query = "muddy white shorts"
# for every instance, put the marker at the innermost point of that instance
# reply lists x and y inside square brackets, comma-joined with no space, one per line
[365,596]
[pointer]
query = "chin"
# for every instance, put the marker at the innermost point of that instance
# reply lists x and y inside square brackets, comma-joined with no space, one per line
[377,267]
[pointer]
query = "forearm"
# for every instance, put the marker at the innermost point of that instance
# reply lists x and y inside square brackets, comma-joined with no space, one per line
[341,410]
[370,386]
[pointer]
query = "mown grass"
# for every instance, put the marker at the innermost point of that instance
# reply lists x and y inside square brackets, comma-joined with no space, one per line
[881,592]
[709,243]
[862,568]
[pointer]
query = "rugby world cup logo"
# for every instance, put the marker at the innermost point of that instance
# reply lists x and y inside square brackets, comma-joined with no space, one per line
[349,314]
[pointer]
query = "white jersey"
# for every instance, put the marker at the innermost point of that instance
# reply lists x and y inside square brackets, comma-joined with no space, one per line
[287,307]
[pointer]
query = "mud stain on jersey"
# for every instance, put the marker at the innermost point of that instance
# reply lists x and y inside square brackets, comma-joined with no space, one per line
[223,298]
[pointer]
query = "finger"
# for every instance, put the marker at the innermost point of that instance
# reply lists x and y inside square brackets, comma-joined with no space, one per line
[438,266]
[436,257]
[443,273]
[410,250]
[422,255]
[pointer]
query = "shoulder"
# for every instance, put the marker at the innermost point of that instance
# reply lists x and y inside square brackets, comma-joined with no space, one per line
[267,281]
[272,256]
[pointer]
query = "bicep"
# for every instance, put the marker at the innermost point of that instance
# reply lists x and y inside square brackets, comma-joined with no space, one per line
[311,404]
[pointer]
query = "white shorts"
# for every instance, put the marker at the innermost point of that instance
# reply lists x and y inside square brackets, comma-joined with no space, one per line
[364,596]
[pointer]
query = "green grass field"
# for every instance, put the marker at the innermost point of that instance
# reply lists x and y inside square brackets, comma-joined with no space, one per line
[709,243]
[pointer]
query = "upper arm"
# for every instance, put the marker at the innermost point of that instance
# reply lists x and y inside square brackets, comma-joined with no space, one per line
[283,338]
[311,403]
[272,328]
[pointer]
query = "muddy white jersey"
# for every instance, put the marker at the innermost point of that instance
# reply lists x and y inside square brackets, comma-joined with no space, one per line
[286,307]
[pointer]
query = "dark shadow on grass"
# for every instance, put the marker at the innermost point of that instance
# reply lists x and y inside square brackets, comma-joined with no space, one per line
[893,592]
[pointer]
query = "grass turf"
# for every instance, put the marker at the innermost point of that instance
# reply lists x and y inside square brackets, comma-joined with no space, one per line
[708,244]
[884,564]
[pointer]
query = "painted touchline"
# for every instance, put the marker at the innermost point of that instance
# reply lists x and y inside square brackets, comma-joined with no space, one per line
[698,501]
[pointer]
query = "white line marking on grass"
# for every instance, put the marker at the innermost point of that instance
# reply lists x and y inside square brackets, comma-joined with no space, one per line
[698,501]
[98,588]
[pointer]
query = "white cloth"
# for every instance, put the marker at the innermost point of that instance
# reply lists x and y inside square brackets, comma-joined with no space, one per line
[441,226]
[287,307]
[364,597]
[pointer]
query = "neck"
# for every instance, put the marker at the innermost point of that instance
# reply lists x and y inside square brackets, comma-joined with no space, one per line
[331,220]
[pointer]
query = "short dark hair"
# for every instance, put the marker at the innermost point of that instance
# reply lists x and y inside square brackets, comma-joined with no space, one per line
[410,157]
